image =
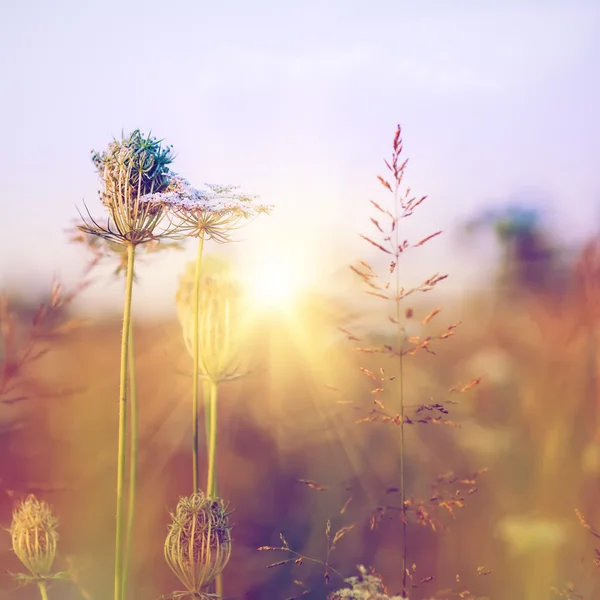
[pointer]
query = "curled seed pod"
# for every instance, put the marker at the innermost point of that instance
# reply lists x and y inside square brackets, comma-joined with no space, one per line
[131,169]
[34,536]
[221,324]
[198,545]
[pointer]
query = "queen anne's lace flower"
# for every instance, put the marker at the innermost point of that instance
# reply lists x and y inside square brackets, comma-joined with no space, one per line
[34,536]
[130,169]
[222,321]
[198,545]
[213,212]
[365,586]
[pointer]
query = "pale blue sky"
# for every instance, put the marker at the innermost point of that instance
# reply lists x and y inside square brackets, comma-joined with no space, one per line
[297,102]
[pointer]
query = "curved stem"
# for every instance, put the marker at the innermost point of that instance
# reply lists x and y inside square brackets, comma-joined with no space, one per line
[122,458]
[133,455]
[196,372]
[43,590]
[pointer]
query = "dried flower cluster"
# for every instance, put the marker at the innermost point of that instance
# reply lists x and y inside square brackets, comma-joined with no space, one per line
[139,191]
[34,536]
[129,170]
[220,327]
[198,545]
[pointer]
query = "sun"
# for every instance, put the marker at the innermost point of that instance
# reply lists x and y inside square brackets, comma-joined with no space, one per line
[275,282]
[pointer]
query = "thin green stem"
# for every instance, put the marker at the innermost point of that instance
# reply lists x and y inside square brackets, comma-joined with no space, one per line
[219,585]
[122,457]
[43,590]
[206,396]
[400,345]
[196,372]
[211,483]
[133,456]
[211,480]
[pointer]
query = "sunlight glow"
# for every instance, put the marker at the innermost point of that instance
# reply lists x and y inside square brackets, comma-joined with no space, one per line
[275,283]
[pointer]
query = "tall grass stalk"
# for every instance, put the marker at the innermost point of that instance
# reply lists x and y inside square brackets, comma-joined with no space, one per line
[388,288]
[196,358]
[122,457]
[133,446]
[400,334]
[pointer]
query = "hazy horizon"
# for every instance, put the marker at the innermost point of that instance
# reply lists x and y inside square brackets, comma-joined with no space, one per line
[298,104]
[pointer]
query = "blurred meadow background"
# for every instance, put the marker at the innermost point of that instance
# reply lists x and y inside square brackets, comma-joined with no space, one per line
[298,103]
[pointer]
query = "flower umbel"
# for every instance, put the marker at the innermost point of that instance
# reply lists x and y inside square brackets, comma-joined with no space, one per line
[198,545]
[220,330]
[34,536]
[213,213]
[365,586]
[131,169]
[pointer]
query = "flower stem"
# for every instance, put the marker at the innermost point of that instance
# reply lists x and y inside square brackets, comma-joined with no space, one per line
[206,396]
[211,482]
[133,452]
[196,372]
[122,458]
[43,590]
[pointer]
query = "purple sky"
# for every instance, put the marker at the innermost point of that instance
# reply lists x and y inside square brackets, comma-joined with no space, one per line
[298,102]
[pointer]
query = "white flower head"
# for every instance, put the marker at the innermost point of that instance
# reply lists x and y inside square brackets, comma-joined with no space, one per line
[213,212]
[365,586]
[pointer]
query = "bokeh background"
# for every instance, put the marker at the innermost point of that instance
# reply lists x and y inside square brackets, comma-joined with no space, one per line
[298,103]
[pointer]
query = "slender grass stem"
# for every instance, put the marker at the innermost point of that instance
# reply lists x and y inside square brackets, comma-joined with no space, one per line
[400,345]
[122,457]
[43,590]
[133,456]
[196,372]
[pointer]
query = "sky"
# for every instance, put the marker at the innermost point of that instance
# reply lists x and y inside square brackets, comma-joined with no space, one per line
[298,102]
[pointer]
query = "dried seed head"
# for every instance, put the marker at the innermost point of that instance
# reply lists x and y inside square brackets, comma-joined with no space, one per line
[34,536]
[198,545]
[221,318]
[131,169]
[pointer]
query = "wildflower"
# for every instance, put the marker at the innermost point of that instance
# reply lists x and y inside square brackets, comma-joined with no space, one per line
[198,545]
[34,536]
[365,586]
[212,213]
[221,327]
[131,169]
